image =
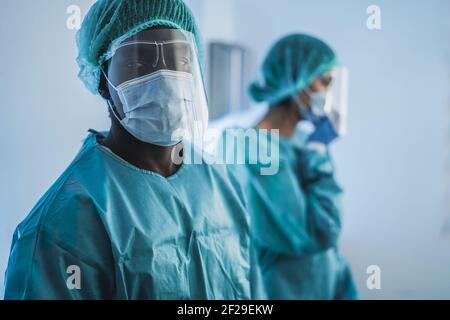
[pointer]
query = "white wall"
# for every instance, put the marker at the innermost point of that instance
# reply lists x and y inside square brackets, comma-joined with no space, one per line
[391,164]
[45,109]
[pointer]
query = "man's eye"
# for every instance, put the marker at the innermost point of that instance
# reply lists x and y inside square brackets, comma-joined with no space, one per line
[327,81]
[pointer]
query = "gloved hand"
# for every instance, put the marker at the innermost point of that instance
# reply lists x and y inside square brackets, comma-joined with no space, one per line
[324,132]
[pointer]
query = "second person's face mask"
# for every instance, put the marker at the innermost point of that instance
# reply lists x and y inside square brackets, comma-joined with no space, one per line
[318,101]
[316,114]
[317,105]
[156,105]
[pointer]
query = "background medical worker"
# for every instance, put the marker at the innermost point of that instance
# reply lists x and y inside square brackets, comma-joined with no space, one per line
[296,213]
[124,221]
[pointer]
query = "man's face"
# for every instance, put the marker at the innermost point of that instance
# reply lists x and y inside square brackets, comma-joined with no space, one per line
[148,52]
[319,84]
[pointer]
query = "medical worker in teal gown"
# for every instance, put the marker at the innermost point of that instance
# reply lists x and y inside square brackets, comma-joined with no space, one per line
[125,220]
[296,213]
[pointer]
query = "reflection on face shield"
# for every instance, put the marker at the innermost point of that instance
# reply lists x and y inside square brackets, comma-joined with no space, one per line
[330,103]
[159,87]
[336,107]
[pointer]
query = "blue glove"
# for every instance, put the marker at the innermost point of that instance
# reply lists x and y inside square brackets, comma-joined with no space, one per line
[324,132]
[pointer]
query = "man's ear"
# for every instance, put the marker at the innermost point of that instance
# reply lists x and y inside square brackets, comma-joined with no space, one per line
[103,88]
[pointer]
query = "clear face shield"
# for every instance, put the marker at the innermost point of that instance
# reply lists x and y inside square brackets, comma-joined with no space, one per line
[327,96]
[336,106]
[336,102]
[157,88]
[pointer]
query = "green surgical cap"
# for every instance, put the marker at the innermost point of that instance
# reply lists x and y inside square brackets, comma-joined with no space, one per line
[290,66]
[110,22]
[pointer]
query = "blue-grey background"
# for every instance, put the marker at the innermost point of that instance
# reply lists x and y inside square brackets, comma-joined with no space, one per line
[393,165]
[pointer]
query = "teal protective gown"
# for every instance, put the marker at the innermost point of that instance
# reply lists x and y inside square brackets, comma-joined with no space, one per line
[134,234]
[296,221]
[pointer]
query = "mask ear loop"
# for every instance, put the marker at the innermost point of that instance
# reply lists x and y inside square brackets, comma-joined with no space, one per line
[107,79]
[113,110]
[108,101]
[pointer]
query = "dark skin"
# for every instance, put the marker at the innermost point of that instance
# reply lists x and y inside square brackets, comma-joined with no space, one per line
[142,155]
[285,115]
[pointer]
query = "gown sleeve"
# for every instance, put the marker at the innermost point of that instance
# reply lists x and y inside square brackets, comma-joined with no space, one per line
[296,212]
[61,252]
[345,286]
[323,198]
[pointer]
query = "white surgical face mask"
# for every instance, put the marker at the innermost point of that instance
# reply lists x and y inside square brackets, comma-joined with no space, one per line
[319,102]
[156,106]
